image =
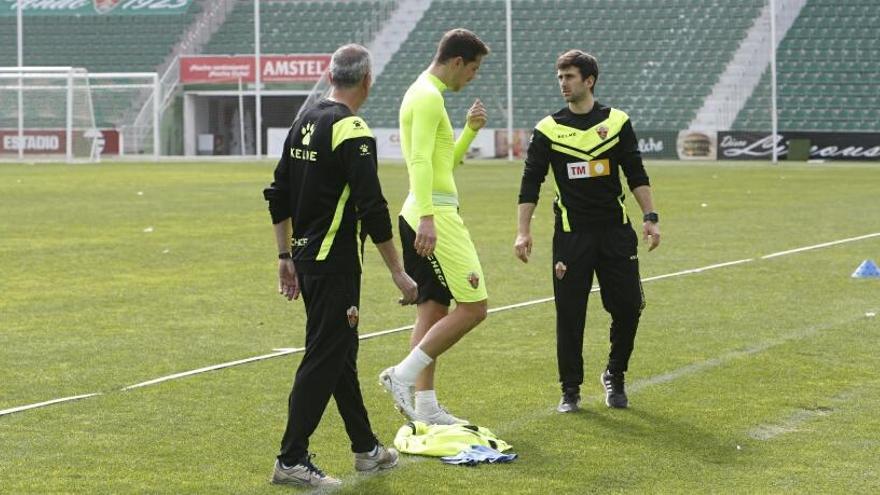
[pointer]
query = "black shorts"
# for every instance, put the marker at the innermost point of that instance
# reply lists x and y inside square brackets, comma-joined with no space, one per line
[426,272]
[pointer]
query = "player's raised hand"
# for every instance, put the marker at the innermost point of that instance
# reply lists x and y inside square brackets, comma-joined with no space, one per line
[477,116]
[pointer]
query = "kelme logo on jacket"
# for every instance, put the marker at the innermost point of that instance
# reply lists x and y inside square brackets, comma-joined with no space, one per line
[307,133]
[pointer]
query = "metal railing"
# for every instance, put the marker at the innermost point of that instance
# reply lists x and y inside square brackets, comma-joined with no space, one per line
[192,41]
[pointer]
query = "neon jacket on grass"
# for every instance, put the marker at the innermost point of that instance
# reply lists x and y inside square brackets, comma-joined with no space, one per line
[416,437]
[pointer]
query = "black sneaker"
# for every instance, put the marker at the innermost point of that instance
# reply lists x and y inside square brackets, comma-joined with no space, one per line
[570,402]
[615,395]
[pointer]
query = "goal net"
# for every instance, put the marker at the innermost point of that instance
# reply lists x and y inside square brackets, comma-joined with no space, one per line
[70,114]
[47,113]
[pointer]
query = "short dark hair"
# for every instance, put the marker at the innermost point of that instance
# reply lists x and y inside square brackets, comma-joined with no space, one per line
[586,64]
[460,43]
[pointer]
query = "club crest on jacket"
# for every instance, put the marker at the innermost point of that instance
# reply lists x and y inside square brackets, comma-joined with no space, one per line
[353,316]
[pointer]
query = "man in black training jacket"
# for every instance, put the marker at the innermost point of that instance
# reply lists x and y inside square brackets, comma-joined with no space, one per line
[325,200]
[585,144]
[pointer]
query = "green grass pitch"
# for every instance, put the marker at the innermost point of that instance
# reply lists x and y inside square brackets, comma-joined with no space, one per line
[759,377]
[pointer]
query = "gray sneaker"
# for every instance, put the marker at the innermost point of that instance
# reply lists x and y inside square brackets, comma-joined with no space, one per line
[440,416]
[570,402]
[384,458]
[400,392]
[304,473]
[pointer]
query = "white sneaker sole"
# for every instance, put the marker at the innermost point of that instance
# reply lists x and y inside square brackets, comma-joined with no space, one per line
[299,482]
[376,467]
[444,421]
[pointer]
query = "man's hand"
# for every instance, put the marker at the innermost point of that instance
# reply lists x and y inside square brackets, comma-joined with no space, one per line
[651,233]
[522,247]
[288,285]
[476,116]
[409,291]
[426,237]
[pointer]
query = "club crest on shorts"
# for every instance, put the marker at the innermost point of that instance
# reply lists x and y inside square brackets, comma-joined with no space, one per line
[559,269]
[473,279]
[602,131]
[353,316]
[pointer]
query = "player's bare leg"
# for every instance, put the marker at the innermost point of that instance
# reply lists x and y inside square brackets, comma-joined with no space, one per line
[442,335]
[428,313]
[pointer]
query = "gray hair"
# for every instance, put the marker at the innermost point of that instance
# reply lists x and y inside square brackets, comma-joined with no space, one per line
[349,65]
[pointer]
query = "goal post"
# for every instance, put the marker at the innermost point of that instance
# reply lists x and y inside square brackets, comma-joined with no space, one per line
[70,114]
[46,113]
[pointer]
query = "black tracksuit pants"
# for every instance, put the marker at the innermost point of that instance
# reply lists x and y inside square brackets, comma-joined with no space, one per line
[328,367]
[610,252]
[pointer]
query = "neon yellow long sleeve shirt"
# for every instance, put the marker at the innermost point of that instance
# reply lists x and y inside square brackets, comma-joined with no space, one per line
[431,154]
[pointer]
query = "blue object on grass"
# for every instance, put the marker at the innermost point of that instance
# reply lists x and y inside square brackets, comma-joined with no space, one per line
[868,269]
[477,454]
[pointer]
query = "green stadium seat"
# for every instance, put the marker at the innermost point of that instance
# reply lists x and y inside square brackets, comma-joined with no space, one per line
[644,67]
[828,65]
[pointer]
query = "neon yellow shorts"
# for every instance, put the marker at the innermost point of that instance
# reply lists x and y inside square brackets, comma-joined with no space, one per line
[454,264]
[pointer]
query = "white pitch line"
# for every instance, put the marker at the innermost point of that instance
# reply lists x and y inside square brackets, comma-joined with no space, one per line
[800,416]
[788,425]
[292,350]
[817,246]
[548,299]
[47,403]
[229,364]
[691,369]
[527,303]
[698,270]
[384,332]
[635,387]
[730,356]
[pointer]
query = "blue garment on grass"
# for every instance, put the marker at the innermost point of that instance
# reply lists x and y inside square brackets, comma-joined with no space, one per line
[476,454]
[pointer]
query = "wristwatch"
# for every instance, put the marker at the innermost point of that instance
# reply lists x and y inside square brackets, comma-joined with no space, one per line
[284,256]
[652,217]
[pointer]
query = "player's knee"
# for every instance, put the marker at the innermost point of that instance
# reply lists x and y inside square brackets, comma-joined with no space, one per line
[630,309]
[476,312]
[480,314]
[431,312]
[627,314]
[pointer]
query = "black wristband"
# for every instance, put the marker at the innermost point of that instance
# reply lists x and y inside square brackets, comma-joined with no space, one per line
[284,256]
[652,217]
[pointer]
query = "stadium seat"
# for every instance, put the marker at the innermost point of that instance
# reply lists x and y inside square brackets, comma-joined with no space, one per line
[826,64]
[639,46]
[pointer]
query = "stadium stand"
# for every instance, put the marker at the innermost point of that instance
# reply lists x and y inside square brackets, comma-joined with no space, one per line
[295,27]
[658,60]
[827,72]
[659,71]
[97,43]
